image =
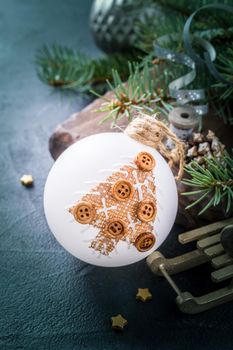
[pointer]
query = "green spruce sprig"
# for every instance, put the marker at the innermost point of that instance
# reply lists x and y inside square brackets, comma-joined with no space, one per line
[213,183]
[225,65]
[139,93]
[62,67]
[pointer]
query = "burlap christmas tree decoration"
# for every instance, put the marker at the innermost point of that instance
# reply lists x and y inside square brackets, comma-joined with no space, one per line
[123,207]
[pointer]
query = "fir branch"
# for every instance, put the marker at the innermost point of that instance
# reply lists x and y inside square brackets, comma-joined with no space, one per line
[63,67]
[225,66]
[212,28]
[188,7]
[214,181]
[148,32]
[222,109]
[103,66]
[140,93]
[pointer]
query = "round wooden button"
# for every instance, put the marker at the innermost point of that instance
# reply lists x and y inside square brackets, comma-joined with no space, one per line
[83,212]
[145,241]
[122,190]
[146,210]
[145,161]
[115,228]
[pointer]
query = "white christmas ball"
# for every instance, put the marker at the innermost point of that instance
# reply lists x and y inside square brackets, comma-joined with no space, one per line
[110,200]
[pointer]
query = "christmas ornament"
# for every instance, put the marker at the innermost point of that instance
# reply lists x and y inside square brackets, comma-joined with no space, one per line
[110,200]
[113,22]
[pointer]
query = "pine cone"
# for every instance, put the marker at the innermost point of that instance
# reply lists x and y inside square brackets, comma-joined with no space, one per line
[203,145]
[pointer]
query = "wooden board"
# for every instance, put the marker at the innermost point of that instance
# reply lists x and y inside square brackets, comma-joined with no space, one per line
[87,122]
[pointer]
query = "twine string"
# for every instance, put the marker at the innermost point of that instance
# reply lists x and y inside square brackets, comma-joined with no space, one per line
[151,132]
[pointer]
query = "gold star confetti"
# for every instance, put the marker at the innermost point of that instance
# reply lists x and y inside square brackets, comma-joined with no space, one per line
[118,322]
[143,294]
[26,180]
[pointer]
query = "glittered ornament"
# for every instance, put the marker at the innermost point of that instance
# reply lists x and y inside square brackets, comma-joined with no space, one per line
[112,22]
[110,200]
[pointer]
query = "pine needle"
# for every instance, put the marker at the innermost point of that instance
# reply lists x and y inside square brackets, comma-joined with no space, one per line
[214,180]
[139,93]
[62,67]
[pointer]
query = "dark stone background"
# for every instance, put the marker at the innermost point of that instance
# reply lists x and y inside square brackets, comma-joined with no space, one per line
[49,299]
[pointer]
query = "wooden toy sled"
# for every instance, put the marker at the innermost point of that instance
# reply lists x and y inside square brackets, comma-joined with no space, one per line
[214,244]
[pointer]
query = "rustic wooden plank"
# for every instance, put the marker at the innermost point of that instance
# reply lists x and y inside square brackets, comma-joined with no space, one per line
[81,124]
[204,231]
[86,122]
[214,251]
[209,241]
[222,274]
[221,261]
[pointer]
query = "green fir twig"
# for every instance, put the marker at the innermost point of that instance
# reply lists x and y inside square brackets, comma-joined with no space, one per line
[140,93]
[62,67]
[213,182]
[225,66]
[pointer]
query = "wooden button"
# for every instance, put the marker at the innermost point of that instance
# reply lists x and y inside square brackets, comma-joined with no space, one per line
[83,212]
[122,190]
[145,241]
[115,228]
[145,161]
[146,210]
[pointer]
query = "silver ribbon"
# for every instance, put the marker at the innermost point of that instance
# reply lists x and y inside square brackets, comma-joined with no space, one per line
[207,59]
[184,96]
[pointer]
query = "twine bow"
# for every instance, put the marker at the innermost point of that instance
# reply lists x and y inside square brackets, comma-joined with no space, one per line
[156,134]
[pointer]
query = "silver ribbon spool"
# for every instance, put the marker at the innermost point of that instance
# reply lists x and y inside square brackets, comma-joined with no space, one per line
[183,121]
